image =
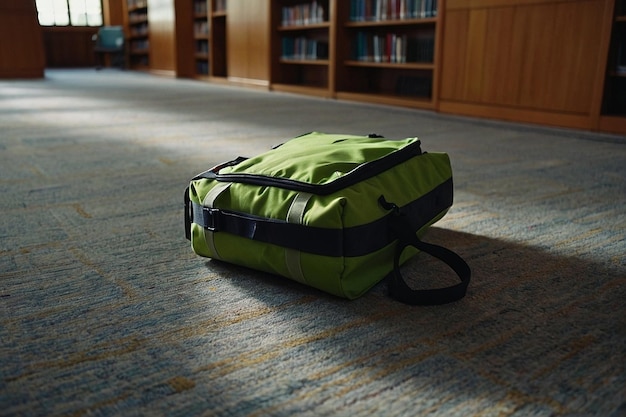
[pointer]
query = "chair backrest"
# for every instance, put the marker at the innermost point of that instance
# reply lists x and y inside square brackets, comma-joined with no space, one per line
[111,37]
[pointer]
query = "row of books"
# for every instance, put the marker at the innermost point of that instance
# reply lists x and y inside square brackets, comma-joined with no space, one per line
[201,27]
[139,45]
[200,6]
[303,14]
[139,60]
[202,67]
[202,46]
[393,48]
[137,4]
[302,48]
[139,30]
[138,17]
[219,5]
[375,10]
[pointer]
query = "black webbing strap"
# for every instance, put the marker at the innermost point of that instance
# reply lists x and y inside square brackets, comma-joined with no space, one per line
[352,241]
[318,240]
[399,289]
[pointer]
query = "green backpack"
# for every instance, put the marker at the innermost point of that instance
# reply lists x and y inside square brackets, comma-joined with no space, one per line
[336,212]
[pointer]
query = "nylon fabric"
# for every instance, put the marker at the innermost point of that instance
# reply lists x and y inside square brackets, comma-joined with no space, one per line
[319,158]
[335,156]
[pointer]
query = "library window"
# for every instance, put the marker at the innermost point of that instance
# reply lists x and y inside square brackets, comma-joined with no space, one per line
[69,12]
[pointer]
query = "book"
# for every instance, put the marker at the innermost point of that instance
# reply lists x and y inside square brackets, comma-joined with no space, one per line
[382,10]
[303,14]
[302,48]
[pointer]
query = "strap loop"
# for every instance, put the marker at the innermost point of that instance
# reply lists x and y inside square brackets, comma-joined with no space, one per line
[209,232]
[399,289]
[295,215]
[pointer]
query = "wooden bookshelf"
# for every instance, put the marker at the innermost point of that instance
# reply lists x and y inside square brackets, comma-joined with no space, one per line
[389,56]
[218,66]
[138,34]
[302,46]
[201,39]
[613,113]
[550,62]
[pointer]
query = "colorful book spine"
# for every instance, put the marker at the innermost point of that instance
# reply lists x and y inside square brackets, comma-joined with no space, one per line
[382,10]
[303,14]
[301,48]
[393,48]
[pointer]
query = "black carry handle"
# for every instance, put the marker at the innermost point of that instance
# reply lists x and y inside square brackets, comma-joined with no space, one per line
[399,289]
[188,214]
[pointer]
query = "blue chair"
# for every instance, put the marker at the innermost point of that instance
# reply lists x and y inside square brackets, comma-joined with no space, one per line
[110,41]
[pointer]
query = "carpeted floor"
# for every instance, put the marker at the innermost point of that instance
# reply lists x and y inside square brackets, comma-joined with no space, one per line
[105,311]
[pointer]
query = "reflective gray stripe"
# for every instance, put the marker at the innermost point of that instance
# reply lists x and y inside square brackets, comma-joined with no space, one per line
[208,201]
[298,206]
[296,215]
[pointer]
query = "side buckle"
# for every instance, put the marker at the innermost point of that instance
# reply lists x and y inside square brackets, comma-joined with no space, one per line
[210,218]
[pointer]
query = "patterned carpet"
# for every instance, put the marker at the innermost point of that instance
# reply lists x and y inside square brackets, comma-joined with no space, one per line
[105,311]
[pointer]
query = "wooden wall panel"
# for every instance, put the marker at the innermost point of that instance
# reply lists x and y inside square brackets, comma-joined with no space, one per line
[474,58]
[247,34]
[258,40]
[535,55]
[237,40]
[161,21]
[454,54]
[69,47]
[113,12]
[21,44]
[499,69]
[184,46]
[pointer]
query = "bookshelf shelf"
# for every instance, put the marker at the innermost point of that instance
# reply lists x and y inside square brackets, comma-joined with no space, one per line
[391,22]
[388,56]
[217,39]
[388,99]
[138,33]
[201,37]
[614,98]
[304,27]
[327,48]
[389,65]
[301,89]
[320,62]
[319,48]
[302,45]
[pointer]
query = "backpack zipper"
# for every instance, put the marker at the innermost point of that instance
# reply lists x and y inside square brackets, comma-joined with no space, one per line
[358,174]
